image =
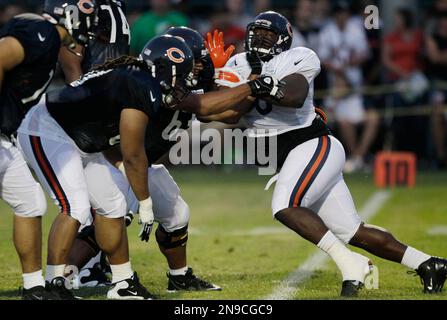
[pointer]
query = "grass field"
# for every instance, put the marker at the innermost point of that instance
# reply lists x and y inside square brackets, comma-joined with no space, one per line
[234,242]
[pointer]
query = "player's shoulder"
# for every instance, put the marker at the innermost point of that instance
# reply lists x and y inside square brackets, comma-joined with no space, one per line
[33,32]
[296,56]
[139,82]
[32,23]
[299,52]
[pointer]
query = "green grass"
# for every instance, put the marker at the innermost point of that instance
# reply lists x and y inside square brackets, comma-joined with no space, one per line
[225,207]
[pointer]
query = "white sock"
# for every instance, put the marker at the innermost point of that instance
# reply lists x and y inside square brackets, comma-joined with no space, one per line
[413,258]
[121,272]
[178,272]
[33,279]
[54,271]
[345,259]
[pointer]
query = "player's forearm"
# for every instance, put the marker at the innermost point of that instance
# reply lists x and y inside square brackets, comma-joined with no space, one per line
[233,115]
[71,64]
[2,74]
[215,102]
[229,117]
[136,172]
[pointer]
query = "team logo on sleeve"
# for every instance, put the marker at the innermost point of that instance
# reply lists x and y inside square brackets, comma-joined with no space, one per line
[176,55]
[86,6]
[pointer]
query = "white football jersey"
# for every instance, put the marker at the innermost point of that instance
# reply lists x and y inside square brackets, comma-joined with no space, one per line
[263,116]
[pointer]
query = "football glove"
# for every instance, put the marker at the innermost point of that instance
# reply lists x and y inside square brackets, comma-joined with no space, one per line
[267,86]
[216,47]
[146,219]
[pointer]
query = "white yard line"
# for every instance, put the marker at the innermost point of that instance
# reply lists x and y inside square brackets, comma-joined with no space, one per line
[287,289]
[439,230]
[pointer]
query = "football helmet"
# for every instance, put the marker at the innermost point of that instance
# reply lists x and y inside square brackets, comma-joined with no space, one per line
[170,62]
[76,16]
[201,55]
[263,47]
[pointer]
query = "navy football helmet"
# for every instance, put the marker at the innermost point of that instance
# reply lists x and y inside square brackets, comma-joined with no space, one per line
[170,62]
[77,16]
[201,55]
[263,47]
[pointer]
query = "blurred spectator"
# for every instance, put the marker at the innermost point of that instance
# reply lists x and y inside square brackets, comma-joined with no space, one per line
[305,33]
[153,23]
[232,21]
[437,55]
[402,57]
[321,15]
[402,48]
[9,11]
[236,13]
[431,23]
[343,47]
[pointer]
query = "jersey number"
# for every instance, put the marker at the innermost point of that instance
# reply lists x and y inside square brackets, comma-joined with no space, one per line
[263,107]
[125,25]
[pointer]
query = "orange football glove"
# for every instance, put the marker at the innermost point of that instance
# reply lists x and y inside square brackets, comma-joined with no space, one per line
[216,47]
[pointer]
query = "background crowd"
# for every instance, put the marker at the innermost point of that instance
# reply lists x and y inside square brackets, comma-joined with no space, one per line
[383,88]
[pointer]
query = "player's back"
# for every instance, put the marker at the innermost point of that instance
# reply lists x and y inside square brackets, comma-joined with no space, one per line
[112,35]
[23,86]
[89,109]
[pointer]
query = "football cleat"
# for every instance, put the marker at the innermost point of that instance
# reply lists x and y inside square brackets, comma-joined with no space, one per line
[129,289]
[433,274]
[189,282]
[58,288]
[350,288]
[37,293]
[354,280]
[94,277]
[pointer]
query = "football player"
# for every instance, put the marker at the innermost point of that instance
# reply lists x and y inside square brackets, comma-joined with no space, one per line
[311,196]
[110,39]
[170,210]
[29,46]
[62,140]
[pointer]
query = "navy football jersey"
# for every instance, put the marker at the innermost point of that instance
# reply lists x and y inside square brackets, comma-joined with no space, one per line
[157,133]
[89,109]
[24,85]
[112,35]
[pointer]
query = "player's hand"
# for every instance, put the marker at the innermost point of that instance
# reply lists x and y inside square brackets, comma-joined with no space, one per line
[216,47]
[145,231]
[267,86]
[146,218]
[254,62]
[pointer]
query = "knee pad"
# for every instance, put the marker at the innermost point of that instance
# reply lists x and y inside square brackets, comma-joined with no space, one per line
[171,240]
[35,206]
[172,216]
[87,234]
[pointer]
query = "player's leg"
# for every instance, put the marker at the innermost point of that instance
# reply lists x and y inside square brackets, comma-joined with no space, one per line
[380,242]
[297,189]
[89,260]
[172,214]
[26,197]
[110,229]
[59,168]
[337,210]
